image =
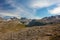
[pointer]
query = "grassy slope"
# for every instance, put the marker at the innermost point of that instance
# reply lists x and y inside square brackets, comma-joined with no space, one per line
[48,32]
[14,30]
[10,26]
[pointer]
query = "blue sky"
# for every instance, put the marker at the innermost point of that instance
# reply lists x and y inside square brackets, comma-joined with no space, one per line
[34,9]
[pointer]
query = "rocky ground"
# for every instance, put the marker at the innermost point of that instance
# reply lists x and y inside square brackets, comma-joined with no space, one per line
[34,33]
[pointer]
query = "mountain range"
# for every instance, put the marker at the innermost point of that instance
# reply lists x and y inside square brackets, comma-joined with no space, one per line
[33,22]
[47,28]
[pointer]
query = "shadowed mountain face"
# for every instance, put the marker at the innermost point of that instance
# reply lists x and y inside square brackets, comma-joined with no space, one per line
[45,21]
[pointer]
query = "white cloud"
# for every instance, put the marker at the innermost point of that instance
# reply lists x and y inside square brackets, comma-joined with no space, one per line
[20,10]
[37,18]
[34,4]
[43,3]
[40,3]
[9,14]
[55,11]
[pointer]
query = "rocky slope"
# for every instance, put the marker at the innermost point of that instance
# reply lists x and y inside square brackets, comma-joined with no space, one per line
[54,19]
[47,32]
[14,30]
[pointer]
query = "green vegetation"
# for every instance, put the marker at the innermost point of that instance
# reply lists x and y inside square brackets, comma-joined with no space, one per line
[6,27]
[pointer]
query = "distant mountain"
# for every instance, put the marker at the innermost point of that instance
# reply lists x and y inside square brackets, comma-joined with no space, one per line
[45,21]
[34,22]
[55,19]
[7,17]
[52,17]
[25,20]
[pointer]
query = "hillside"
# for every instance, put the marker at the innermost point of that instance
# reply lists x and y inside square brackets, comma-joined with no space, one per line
[11,25]
[48,32]
[43,29]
